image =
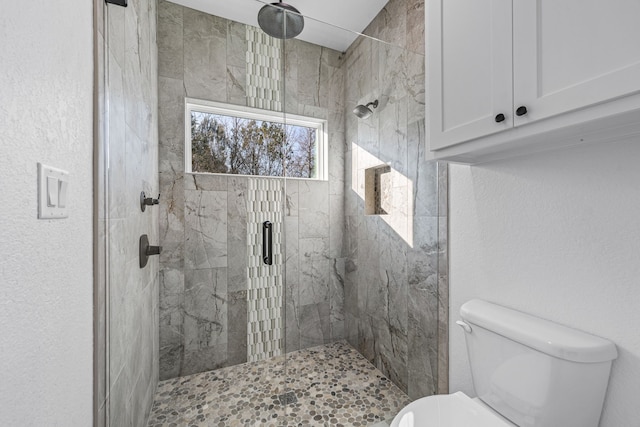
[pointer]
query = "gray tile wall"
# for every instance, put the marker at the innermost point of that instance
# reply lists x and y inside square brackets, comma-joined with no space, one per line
[127,121]
[203,315]
[396,285]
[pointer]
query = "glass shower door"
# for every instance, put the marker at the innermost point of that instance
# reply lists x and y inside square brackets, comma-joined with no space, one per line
[221,212]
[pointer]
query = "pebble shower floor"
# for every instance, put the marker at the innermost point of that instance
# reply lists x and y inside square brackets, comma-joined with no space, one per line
[333,385]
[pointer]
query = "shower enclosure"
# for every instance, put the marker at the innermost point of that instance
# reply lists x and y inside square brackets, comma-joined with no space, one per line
[286,221]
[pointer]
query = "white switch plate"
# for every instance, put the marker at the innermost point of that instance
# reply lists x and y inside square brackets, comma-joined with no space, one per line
[50,183]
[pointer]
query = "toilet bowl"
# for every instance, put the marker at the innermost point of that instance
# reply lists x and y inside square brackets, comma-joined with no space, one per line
[449,410]
[526,371]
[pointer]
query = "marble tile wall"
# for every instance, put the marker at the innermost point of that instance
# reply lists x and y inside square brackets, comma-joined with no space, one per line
[127,163]
[204,57]
[395,283]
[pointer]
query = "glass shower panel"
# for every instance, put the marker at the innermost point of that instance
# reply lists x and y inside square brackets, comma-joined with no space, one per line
[314,88]
[397,251]
[364,250]
[221,305]
[129,160]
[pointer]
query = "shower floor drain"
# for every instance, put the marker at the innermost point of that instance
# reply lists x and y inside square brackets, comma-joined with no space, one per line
[287,398]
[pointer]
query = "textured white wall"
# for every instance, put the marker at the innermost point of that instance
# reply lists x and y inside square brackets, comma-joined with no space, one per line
[45,265]
[556,235]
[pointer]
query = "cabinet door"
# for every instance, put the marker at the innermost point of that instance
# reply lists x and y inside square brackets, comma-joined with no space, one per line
[570,54]
[469,69]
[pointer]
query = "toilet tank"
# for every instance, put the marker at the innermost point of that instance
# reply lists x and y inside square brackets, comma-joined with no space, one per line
[535,372]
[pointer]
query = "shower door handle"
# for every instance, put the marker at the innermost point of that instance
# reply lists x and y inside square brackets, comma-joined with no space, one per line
[267,242]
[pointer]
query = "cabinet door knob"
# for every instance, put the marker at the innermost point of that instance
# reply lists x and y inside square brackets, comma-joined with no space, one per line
[521,111]
[500,118]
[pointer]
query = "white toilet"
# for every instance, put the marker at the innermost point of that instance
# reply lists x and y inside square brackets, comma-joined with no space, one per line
[527,372]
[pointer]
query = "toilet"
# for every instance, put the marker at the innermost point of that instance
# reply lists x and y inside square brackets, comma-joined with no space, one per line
[526,371]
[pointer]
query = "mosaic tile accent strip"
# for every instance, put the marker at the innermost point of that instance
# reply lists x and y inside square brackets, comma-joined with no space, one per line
[334,386]
[264,63]
[265,282]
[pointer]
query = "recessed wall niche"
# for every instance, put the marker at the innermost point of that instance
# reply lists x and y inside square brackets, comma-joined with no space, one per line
[377,190]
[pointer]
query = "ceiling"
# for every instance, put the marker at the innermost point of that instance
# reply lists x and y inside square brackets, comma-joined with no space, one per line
[331,23]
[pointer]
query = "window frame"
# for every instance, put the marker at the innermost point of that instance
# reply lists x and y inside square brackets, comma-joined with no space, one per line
[202,106]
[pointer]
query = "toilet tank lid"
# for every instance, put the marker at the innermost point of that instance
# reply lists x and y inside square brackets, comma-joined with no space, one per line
[540,334]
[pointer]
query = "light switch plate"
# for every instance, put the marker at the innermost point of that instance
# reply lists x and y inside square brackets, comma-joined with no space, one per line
[52,203]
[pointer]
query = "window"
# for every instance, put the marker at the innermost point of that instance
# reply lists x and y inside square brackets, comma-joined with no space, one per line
[230,139]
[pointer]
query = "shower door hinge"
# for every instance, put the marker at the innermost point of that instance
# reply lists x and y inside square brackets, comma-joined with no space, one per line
[118,2]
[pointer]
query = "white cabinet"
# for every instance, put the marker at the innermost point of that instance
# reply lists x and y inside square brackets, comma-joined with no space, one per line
[560,64]
[470,69]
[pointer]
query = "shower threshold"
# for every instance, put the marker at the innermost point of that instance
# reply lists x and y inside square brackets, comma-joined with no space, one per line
[330,384]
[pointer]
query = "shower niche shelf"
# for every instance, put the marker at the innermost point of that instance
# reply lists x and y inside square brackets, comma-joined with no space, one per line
[377,190]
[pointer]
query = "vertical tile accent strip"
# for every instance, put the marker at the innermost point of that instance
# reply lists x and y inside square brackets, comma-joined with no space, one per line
[264,55]
[265,283]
